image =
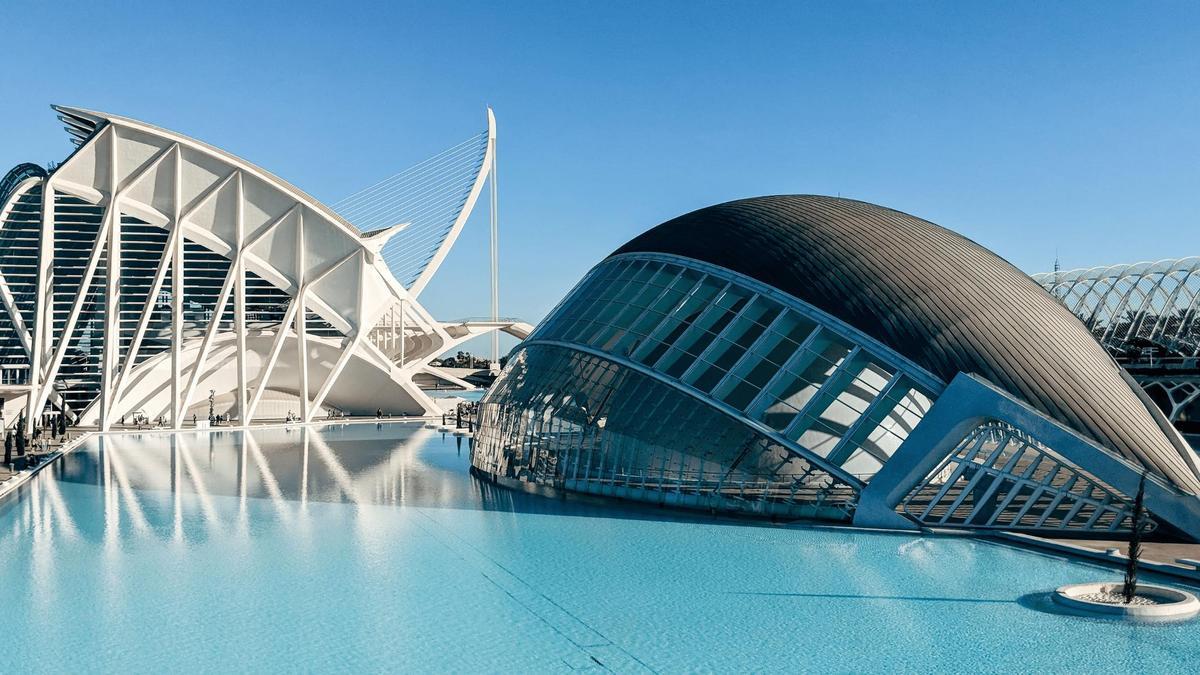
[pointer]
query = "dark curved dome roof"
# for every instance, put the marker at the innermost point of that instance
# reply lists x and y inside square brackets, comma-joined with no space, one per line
[936,297]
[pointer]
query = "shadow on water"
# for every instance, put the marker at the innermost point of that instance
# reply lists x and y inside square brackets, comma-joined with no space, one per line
[898,598]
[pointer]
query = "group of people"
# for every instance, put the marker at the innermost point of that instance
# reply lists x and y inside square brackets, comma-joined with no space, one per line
[32,447]
[140,420]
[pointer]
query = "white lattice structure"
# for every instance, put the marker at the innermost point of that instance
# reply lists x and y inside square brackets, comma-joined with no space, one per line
[150,271]
[1124,305]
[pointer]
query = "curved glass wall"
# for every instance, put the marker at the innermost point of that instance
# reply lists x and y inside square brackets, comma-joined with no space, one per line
[768,357]
[690,377]
[568,419]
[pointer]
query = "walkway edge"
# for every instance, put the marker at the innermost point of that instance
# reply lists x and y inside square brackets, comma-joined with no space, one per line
[19,479]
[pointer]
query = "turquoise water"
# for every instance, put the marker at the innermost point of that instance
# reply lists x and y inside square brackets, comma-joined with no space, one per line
[365,547]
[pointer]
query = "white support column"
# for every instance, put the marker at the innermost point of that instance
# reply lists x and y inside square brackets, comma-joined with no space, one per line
[112,313]
[177,280]
[301,317]
[160,275]
[239,300]
[112,290]
[391,343]
[401,333]
[111,210]
[43,317]
[69,328]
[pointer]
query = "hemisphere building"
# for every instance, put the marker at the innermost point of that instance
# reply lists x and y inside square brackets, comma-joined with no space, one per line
[150,274]
[815,357]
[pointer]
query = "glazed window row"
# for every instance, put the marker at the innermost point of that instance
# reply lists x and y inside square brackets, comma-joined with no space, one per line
[767,360]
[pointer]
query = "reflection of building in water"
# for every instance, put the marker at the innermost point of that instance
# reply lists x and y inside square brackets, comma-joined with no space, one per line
[192,485]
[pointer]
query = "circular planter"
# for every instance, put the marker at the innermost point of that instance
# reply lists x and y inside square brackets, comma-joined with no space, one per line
[1151,602]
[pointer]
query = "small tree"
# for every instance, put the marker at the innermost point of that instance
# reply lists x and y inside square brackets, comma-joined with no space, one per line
[8,445]
[1138,523]
[62,426]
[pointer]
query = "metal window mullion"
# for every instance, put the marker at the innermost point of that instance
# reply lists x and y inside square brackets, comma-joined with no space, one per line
[692,329]
[867,421]
[1040,487]
[645,310]
[959,469]
[1079,500]
[702,358]
[1037,493]
[789,364]
[829,391]
[752,350]
[654,337]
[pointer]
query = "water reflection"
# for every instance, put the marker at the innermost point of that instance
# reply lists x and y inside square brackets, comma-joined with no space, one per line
[205,484]
[363,464]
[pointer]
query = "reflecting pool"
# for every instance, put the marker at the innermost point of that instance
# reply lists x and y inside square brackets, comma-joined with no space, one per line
[370,547]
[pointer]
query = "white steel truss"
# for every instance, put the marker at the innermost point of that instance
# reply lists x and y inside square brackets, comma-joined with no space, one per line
[167,272]
[1126,305]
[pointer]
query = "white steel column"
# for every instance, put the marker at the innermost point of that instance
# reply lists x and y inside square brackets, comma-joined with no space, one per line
[43,391]
[112,311]
[112,290]
[301,317]
[43,311]
[239,300]
[177,279]
[160,275]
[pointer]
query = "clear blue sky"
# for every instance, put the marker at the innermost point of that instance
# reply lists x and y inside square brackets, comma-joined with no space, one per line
[1032,128]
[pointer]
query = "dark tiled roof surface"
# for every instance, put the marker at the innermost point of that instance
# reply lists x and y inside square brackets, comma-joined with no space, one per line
[939,298]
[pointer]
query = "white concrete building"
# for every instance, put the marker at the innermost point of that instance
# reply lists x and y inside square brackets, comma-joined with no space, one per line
[149,272]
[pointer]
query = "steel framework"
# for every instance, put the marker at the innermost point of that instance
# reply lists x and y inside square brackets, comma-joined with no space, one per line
[151,271]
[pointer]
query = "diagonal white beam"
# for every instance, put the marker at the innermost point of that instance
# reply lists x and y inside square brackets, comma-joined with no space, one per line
[273,356]
[239,299]
[301,318]
[14,314]
[177,279]
[160,275]
[112,206]
[209,335]
[350,345]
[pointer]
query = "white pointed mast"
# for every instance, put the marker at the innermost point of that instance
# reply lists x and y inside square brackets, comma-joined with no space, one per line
[495,228]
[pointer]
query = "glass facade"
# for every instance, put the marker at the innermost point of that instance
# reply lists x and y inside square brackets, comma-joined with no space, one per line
[682,344]
[574,420]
